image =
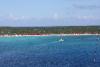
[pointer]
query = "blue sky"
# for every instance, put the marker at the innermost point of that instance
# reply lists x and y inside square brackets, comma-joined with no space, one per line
[49,12]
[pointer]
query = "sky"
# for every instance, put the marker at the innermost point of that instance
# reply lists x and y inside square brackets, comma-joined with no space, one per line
[49,12]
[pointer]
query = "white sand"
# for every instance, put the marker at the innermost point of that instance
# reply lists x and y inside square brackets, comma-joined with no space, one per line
[47,35]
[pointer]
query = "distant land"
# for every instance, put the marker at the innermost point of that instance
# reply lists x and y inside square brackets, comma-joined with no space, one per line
[49,30]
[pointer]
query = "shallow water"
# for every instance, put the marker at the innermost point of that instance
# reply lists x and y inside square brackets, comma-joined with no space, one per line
[47,51]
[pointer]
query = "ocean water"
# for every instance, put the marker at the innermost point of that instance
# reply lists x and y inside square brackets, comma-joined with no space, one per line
[48,51]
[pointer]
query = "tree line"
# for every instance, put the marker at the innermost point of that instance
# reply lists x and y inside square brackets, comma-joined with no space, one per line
[50,30]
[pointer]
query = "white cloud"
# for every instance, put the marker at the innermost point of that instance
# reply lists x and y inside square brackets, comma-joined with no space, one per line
[83,17]
[88,17]
[15,18]
[58,16]
[55,16]
[12,17]
[86,6]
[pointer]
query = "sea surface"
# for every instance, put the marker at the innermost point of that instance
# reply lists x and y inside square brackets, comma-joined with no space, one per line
[48,51]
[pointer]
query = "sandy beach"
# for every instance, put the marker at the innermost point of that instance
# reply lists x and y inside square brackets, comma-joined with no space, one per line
[47,35]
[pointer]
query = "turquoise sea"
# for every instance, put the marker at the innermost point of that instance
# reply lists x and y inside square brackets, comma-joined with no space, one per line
[48,51]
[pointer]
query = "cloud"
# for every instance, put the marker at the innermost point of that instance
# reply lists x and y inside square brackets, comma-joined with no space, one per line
[16,18]
[58,16]
[50,21]
[83,17]
[55,16]
[87,6]
[11,16]
[89,17]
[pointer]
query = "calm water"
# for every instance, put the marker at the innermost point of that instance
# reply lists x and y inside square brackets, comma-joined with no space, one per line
[47,51]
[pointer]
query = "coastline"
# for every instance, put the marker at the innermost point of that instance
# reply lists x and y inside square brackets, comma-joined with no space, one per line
[48,35]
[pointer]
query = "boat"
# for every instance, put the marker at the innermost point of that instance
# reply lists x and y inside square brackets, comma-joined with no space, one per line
[61,40]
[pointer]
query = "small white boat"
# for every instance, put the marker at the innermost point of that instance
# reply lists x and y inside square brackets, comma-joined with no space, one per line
[61,40]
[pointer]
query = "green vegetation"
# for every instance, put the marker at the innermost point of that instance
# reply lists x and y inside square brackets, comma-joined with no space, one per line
[49,30]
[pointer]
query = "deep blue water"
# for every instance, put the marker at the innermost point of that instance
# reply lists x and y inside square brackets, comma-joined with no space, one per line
[47,51]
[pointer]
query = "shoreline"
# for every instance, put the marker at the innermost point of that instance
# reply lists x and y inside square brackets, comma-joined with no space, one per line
[48,35]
